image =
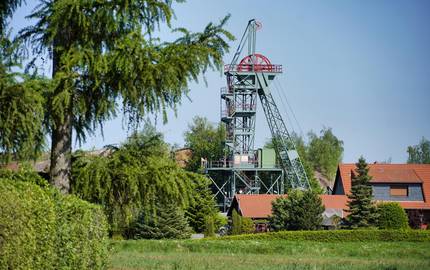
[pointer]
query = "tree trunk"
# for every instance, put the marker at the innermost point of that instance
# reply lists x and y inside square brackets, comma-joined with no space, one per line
[61,151]
[61,139]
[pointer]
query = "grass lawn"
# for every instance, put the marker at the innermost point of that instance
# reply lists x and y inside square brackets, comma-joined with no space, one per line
[268,254]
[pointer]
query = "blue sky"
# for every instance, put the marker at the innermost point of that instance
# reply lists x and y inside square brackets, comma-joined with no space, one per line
[359,67]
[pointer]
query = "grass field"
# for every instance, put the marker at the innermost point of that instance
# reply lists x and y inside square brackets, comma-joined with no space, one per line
[268,254]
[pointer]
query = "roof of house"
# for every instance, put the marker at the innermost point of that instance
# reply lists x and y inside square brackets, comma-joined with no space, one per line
[392,173]
[260,205]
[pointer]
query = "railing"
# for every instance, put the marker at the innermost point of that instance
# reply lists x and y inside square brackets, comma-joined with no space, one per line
[230,164]
[225,90]
[253,68]
[244,107]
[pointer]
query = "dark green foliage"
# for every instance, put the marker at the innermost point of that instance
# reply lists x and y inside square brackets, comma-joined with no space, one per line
[247,226]
[90,44]
[167,221]
[420,153]
[236,223]
[209,226]
[339,236]
[205,140]
[130,178]
[301,210]
[43,229]
[392,216]
[202,205]
[22,102]
[362,211]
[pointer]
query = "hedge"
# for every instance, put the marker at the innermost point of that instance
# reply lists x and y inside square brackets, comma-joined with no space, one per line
[43,229]
[338,236]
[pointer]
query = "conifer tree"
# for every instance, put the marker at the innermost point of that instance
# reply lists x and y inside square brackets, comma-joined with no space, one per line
[168,221]
[105,53]
[203,204]
[362,211]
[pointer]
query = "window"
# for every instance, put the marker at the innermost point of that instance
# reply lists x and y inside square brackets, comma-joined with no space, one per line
[399,191]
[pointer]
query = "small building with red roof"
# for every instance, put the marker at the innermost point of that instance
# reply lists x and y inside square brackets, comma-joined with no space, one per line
[407,184]
[258,207]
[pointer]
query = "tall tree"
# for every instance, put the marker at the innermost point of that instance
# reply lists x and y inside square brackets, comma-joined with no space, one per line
[419,153]
[205,140]
[325,152]
[104,52]
[362,211]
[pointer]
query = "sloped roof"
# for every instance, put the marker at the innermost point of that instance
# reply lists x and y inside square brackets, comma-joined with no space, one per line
[392,173]
[260,205]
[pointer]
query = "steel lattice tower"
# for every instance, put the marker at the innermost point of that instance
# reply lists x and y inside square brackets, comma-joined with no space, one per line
[240,171]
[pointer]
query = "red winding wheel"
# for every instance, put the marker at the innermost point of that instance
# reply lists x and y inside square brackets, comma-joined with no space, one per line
[258,61]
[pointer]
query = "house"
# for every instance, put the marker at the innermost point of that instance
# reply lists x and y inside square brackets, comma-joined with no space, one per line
[408,184]
[258,207]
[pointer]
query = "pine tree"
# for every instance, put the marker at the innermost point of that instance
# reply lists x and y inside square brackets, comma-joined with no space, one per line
[203,204]
[362,211]
[167,221]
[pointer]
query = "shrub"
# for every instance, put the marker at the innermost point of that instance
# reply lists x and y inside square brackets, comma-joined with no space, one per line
[247,225]
[301,210]
[392,216]
[82,227]
[209,227]
[339,236]
[43,229]
[236,223]
[27,227]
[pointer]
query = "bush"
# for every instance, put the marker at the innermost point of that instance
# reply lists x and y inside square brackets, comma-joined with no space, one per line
[209,227]
[392,216]
[43,229]
[339,236]
[27,227]
[236,223]
[301,210]
[247,225]
[82,227]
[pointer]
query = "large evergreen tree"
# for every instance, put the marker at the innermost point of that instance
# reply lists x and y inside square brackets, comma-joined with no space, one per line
[362,211]
[105,52]
[203,205]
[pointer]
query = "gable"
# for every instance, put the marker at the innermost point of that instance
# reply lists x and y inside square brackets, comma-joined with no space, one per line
[413,175]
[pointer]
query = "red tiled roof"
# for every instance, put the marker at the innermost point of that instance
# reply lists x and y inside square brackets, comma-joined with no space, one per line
[260,205]
[393,173]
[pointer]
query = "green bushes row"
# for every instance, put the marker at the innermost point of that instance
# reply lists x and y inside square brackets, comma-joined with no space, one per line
[43,229]
[339,236]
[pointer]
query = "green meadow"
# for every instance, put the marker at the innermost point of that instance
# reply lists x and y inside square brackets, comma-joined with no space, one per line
[267,254]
